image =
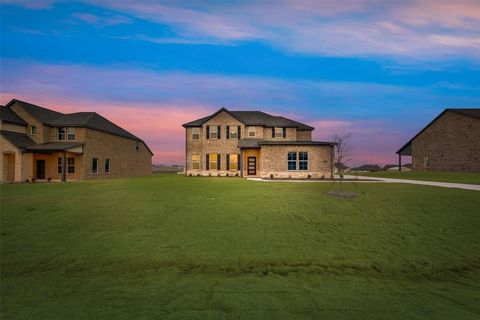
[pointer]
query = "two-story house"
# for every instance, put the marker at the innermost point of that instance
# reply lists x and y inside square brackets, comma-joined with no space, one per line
[43,144]
[255,144]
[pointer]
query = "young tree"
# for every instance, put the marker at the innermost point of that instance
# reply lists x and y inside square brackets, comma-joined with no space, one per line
[343,152]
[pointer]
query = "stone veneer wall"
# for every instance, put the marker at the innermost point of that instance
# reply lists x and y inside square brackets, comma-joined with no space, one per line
[452,143]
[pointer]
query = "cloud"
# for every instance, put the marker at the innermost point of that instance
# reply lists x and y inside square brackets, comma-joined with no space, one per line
[101,21]
[154,105]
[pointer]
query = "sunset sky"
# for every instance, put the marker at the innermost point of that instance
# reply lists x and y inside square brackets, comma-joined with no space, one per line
[380,70]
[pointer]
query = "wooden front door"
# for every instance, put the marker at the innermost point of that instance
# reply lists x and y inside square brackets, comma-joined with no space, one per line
[252,166]
[40,169]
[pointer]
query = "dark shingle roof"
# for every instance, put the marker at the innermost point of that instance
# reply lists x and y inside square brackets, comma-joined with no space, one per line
[257,143]
[254,118]
[54,146]
[42,114]
[19,140]
[406,149]
[92,120]
[9,116]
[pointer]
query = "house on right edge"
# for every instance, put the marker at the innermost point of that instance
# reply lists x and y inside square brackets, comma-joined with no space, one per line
[451,142]
[255,144]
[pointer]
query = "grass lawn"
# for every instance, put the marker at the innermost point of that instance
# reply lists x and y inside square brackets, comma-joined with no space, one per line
[173,247]
[456,177]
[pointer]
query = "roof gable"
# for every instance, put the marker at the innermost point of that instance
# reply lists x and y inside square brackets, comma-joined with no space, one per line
[406,149]
[44,115]
[8,115]
[253,118]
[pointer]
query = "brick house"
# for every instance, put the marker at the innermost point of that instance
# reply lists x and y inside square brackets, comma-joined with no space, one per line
[39,143]
[451,142]
[255,144]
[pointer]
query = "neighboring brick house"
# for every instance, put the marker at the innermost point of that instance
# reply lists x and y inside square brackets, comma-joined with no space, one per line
[451,142]
[42,144]
[255,144]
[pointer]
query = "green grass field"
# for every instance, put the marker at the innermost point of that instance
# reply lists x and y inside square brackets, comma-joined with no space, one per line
[173,247]
[455,177]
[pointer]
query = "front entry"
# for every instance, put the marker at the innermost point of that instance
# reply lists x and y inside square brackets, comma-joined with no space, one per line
[252,166]
[40,169]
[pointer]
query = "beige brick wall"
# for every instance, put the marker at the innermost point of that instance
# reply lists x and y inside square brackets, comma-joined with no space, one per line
[125,160]
[304,135]
[452,143]
[13,160]
[12,127]
[43,132]
[273,160]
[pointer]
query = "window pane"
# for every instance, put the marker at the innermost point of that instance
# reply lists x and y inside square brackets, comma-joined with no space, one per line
[303,155]
[59,165]
[195,161]
[213,161]
[94,165]
[107,165]
[303,165]
[71,133]
[292,156]
[60,133]
[233,162]
[292,165]
[71,165]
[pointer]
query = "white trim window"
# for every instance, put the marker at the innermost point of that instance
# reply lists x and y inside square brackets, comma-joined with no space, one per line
[233,132]
[278,132]
[195,133]
[195,161]
[213,132]
[33,130]
[71,134]
[61,134]
[95,165]
[303,161]
[292,161]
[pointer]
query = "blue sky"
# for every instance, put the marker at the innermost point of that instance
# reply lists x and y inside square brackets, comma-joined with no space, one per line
[381,70]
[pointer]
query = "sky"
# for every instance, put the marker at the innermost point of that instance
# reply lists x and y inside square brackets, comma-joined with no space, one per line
[380,70]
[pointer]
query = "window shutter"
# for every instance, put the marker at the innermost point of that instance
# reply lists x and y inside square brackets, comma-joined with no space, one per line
[228,161]
[228,132]
[208,133]
[208,161]
[273,132]
[218,161]
[239,134]
[239,162]
[219,131]
[284,132]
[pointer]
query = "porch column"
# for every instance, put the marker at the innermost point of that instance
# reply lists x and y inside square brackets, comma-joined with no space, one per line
[64,167]
[399,162]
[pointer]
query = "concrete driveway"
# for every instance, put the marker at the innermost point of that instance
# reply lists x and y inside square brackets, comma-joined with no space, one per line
[465,186]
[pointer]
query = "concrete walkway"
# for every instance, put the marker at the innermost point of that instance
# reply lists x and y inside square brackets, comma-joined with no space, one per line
[465,186]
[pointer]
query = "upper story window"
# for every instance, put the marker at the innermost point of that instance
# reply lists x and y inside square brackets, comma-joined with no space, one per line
[33,130]
[71,134]
[232,132]
[292,161]
[278,132]
[195,133]
[61,134]
[213,132]
[251,132]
